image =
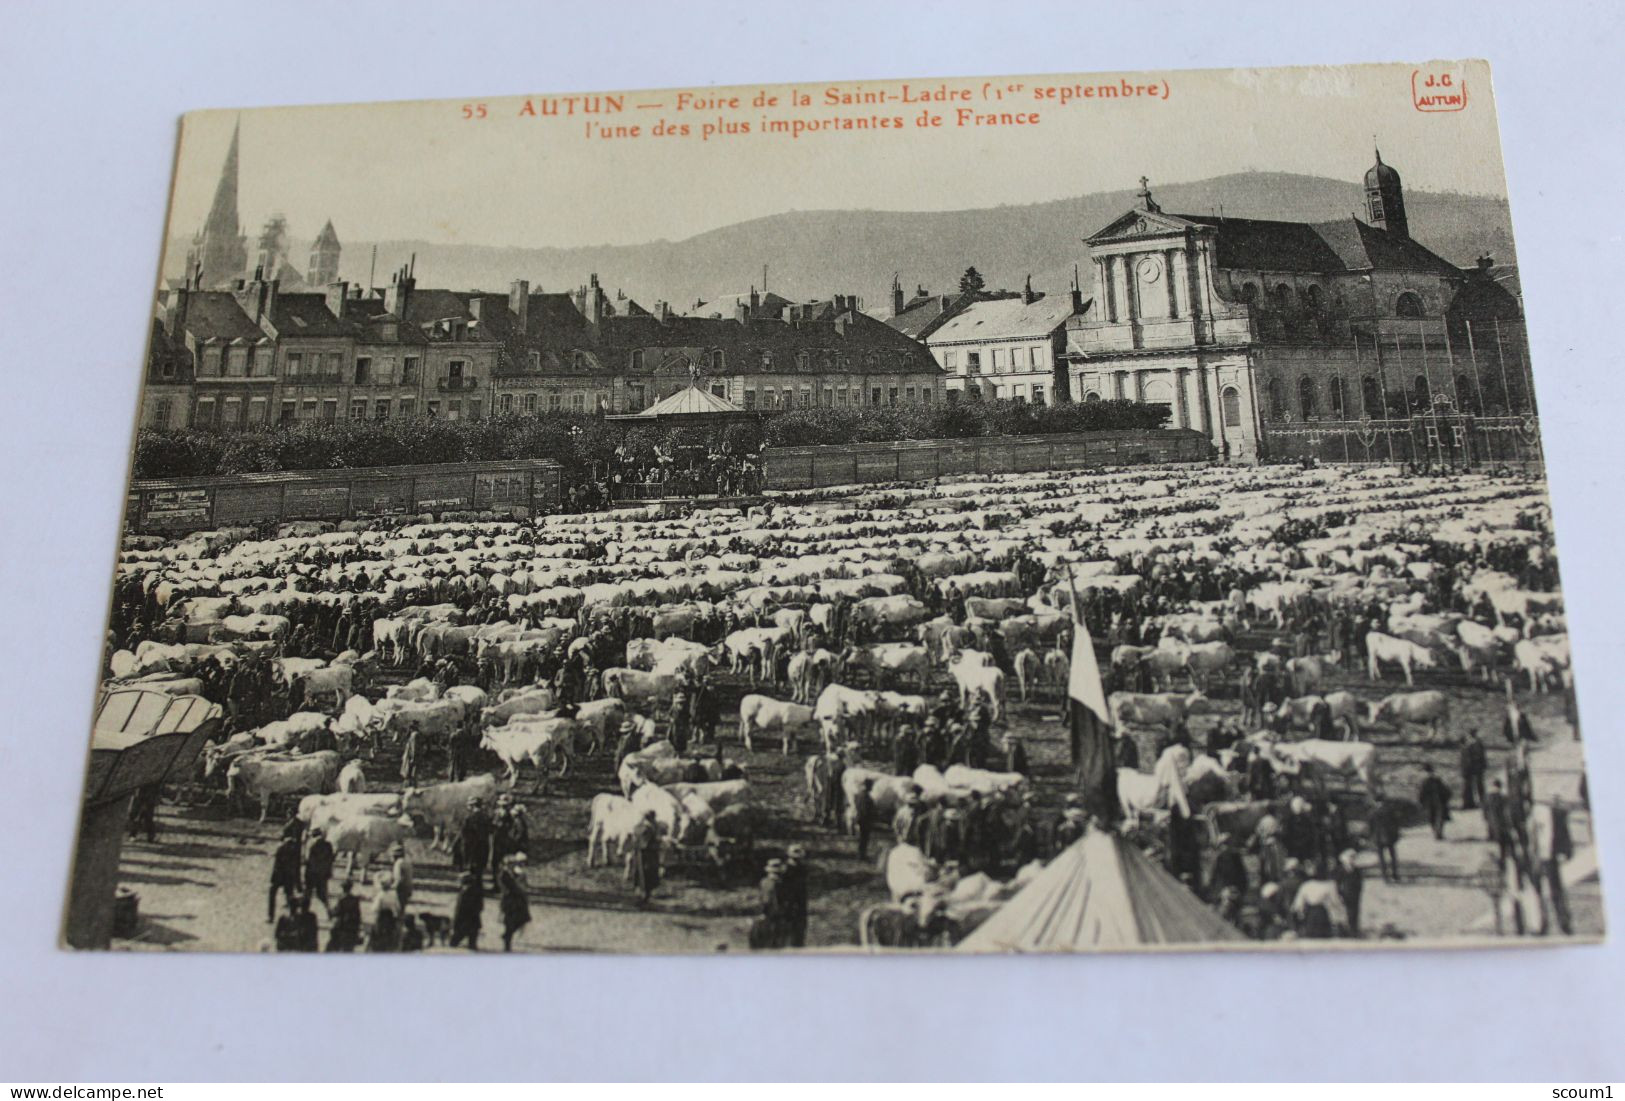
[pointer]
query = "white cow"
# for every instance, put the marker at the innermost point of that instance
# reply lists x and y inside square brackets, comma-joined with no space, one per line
[761,714]
[1403,652]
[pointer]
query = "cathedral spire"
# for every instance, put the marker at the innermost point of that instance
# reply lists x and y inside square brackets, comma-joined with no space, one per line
[222,250]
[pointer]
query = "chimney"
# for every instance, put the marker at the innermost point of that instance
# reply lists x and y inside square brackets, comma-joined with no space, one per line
[592,305]
[519,303]
[663,311]
[896,296]
[175,313]
[947,303]
[755,301]
[398,297]
[476,307]
[1077,291]
[1027,295]
[741,310]
[336,294]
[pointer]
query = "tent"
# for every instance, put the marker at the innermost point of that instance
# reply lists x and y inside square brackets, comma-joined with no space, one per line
[1102,894]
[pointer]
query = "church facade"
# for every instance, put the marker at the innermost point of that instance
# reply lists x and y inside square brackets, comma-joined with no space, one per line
[1267,335]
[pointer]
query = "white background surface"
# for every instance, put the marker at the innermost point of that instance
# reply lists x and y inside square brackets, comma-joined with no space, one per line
[90,95]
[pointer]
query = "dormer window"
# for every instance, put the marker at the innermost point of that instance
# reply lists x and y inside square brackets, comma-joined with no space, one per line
[536,361]
[637,359]
[580,361]
[718,360]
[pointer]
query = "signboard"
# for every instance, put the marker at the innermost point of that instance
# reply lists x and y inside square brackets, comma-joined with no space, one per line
[315,501]
[386,498]
[177,508]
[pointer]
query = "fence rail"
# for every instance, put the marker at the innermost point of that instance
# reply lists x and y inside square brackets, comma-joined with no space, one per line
[792,468]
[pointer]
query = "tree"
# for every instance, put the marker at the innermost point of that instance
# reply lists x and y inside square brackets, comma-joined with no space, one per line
[971,282]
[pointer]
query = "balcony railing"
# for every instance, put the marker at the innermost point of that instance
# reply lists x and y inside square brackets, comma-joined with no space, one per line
[458,384]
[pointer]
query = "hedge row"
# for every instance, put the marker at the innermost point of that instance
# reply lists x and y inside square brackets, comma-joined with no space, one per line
[581,441]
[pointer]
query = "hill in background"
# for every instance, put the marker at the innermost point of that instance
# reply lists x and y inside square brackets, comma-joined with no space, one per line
[813,254]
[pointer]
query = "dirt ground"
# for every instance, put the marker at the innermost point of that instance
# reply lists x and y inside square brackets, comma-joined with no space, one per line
[202,884]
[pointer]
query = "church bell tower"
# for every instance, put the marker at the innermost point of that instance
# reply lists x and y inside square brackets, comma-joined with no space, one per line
[1385,199]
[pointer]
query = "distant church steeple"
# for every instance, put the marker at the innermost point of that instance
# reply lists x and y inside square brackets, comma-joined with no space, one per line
[220,247]
[324,258]
[1385,199]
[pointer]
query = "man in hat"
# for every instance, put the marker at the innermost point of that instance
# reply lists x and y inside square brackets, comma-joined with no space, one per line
[468,912]
[769,928]
[1021,847]
[1385,830]
[793,887]
[643,861]
[628,744]
[411,757]
[1434,798]
[345,934]
[284,873]
[946,710]
[1015,756]
[402,873]
[909,822]
[1350,882]
[515,903]
[319,867]
[1299,836]
[863,815]
[1498,825]
[905,752]
[1229,869]
[1550,845]
[1474,763]
[1515,726]
[510,833]
[678,721]
[474,839]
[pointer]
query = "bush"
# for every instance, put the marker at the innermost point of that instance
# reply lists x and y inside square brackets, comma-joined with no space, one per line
[579,440]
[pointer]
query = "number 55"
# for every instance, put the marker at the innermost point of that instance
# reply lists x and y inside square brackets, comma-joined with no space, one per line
[473,110]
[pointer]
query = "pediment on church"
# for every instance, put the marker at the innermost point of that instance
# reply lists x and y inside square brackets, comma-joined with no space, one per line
[1138,224]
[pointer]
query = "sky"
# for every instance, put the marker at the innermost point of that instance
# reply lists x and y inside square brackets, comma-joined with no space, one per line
[423,170]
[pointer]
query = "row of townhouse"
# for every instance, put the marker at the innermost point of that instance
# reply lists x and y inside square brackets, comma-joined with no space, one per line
[254,355]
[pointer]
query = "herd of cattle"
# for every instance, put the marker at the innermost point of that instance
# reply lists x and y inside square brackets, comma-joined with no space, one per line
[838,616]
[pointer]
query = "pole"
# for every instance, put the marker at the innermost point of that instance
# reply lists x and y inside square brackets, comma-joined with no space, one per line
[1506,389]
[1382,393]
[1433,396]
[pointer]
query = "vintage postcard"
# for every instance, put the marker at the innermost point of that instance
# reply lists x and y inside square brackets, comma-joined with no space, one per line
[997,514]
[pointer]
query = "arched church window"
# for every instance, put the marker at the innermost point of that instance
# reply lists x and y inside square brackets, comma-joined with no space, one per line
[1371,397]
[1409,304]
[1334,397]
[1090,396]
[1249,292]
[1277,400]
[1283,295]
[1306,397]
[1230,404]
[1424,395]
[1314,298]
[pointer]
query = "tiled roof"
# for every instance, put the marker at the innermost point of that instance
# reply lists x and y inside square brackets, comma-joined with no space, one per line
[767,304]
[306,315]
[1006,319]
[1344,245]
[216,315]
